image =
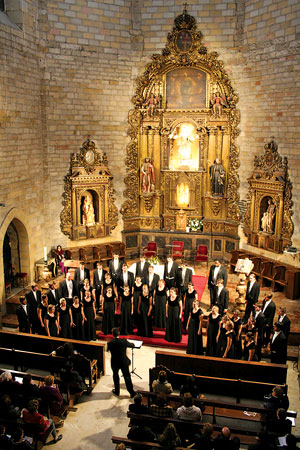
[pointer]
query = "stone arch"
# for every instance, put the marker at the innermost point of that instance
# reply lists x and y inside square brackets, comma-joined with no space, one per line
[18,220]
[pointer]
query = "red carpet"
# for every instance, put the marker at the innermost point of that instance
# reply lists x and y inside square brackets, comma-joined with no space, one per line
[158,335]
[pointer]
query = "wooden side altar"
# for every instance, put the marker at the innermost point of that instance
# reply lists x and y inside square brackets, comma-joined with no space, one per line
[182,160]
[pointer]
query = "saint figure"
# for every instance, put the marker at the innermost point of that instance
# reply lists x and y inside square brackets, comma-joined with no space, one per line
[217,177]
[217,104]
[147,175]
[88,215]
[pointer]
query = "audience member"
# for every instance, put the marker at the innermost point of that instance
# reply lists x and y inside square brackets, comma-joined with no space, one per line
[141,432]
[7,384]
[188,411]
[137,407]
[28,389]
[224,442]
[31,416]
[7,410]
[50,394]
[281,425]
[205,440]
[18,441]
[190,386]
[277,399]
[5,442]
[291,443]
[161,386]
[160,408]
[169,438]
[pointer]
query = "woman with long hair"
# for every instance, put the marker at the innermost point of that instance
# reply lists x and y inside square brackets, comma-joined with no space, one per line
[173,314]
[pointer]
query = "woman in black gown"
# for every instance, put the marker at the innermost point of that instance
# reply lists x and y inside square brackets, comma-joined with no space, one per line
[221,338]
[249,348]
[173,314]
[41,312]
[137,290]
[126,310]
[214,319]
[189,298]
[87,288]
[108,282]
[88,311]
[144,311]
[237,327]
[77,327]
[65,320]
[160,301]
[109,310]
[194,328]
[229,335]
[51,322]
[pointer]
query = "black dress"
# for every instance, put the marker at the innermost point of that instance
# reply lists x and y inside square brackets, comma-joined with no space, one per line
[212,331]
[126,321]
[222,342]
[65,323]
[195,345]
[189,298]
[247,349]
[83,292]
[230,335]
[174,329]
[107,285]
[137,291]
[52,324]
[89,323]
[237,343]
[108,314]
[160,308]
[43,315]
[145,321]
[77,331]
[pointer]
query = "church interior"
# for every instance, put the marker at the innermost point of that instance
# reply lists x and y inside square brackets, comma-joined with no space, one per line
[155,128]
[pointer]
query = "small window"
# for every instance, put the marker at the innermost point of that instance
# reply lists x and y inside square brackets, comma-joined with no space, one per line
[2,5]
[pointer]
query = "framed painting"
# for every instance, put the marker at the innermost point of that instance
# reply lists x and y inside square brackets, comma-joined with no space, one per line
[186,89]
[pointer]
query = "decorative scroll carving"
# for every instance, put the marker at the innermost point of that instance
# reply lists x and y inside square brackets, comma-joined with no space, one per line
[88,200]
[216,206]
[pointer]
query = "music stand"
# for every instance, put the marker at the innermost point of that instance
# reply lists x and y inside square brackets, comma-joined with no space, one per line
[137,344]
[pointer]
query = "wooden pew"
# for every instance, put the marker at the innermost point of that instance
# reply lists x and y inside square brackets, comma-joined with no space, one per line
[222,367]
[45,344]
[232,387]
[133,444]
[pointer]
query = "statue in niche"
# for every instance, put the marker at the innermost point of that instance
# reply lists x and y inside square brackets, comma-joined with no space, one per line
[88,214]
[217,177]
[217,103]
[270,216]
[151,104]
[147,175]
[185,137]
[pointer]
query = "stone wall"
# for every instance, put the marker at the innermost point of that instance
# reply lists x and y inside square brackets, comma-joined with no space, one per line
[70,73]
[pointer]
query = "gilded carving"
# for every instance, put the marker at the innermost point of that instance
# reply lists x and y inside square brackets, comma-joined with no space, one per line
[215,206]
[148,200]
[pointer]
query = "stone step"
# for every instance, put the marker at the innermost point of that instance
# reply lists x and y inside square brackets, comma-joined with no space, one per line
[10,321]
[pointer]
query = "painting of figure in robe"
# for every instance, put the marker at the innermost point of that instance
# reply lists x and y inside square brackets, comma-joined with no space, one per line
[186,89]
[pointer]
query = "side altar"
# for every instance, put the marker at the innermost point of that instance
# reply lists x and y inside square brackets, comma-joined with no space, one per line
[182,160]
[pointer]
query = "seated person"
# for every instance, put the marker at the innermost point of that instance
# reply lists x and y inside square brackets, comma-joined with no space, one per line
[7,410]
[161,386]
[141,432]
[160,408]
[18,441]
[76,384]
[31,416]
[28,389]
[188,411]
[137,407]
[190,386]
[205,440]
[291,443]
[277,399]
[224,442]
[8,385]
[51,395]
[281,425]
[265,442]
[169,438]
[5,441]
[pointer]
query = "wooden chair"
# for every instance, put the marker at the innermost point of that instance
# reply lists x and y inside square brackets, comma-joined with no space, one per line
[178,249]
[202,254]
[151,249]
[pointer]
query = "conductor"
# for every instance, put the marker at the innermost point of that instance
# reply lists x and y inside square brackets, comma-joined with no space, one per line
[119,361]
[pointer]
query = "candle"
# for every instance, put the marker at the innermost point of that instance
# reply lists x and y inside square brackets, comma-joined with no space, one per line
[45,253]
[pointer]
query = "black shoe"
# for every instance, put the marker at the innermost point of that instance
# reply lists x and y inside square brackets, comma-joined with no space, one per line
[114,392]
[133,394]
[58,438]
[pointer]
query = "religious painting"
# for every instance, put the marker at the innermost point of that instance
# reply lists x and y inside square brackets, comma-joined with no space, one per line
[186,89]
[184,147]
[184,41]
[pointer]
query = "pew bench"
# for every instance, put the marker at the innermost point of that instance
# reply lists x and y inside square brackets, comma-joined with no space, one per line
[133,444]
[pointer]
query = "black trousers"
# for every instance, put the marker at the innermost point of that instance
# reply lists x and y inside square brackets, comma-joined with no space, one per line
[127,379]
[249,309]
[213,295]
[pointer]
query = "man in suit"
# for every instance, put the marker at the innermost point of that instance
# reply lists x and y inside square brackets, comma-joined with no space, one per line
[259,319]
[67,289]
[170,272]
[23,316]
[141,269]
[252,294]
[119,361]
[278,345]
[152,280]
[33,300]
[115,267]
[81,273]
[52,294]
[126,278]
[185,276]
[285,322]
[98,280]
[222,297]
[216,271]
[268,310]
[224,441]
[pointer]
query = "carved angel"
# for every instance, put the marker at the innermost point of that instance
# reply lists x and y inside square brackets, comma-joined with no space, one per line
[217,103]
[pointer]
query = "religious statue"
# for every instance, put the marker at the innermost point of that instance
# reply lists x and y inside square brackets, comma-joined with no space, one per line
[217,104]
[88,215]
[151,104]
[267,220]
[147,175]
[184,139]
[217,177]
[264,221]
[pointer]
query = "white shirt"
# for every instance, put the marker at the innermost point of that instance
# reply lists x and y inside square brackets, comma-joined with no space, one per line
[70,288]
[280,319]
[256,314]
[251,285]
[125,278]
[183,273]
[275,336]
[53,293]
[142,265]
[216,271]
[170,264]
[81,274]
[34,294]
[150,279]
[100,274]
[25,308]
[266,305]
[116,263]
[219,290]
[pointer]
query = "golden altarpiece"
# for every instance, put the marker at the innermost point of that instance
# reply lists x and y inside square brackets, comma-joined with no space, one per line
[267,221]
[89,209]
[182,160]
